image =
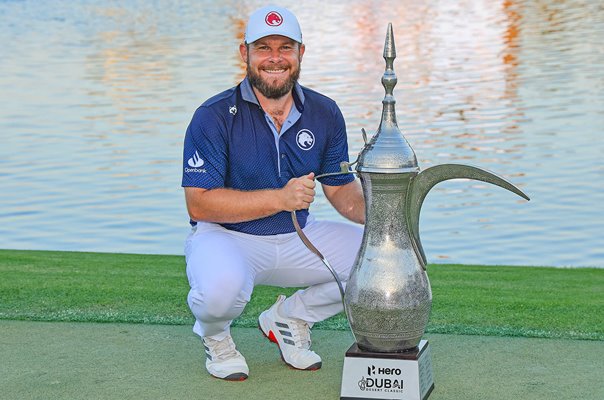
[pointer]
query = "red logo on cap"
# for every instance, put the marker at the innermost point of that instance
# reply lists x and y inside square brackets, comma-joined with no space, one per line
[273,18]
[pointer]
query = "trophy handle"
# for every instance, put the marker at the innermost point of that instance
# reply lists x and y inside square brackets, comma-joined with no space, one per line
[429,177]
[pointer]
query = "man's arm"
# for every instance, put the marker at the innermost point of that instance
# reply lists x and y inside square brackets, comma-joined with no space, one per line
[223,205]
[348,199]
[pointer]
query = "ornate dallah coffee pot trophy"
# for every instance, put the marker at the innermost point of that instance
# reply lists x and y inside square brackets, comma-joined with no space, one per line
[388,297]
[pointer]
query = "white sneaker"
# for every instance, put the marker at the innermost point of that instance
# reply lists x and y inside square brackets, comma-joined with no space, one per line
[223,360]
[291,335]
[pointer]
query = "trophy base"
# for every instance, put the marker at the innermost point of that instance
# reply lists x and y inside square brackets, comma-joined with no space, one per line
[402,376]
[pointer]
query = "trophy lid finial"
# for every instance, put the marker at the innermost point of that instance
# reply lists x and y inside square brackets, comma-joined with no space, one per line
[388,151]
[389,48]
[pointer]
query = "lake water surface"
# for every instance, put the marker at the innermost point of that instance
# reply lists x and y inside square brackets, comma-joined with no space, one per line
[96,97]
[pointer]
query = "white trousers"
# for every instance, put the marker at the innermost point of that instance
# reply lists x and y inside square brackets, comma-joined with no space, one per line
[223,267]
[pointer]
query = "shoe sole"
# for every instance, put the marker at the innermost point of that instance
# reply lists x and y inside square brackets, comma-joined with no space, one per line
[271,338]
[237,377]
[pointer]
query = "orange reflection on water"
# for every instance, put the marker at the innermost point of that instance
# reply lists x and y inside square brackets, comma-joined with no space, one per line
[129,64]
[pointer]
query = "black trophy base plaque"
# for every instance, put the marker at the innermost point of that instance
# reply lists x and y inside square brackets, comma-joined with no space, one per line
[401,376]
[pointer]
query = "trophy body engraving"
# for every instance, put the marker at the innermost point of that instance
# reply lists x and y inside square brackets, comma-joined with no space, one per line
[388,294]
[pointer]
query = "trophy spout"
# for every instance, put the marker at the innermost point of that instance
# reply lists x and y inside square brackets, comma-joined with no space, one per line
[428,178]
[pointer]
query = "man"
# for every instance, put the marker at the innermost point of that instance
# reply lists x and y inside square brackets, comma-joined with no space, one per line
[250,157]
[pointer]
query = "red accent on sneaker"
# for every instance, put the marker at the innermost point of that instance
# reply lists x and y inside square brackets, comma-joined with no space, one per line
[272,338]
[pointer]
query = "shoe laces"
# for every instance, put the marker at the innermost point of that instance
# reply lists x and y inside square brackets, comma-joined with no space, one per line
[221,349]
[300,332]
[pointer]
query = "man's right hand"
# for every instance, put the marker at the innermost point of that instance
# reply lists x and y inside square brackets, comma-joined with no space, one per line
[298,193]
[223,205]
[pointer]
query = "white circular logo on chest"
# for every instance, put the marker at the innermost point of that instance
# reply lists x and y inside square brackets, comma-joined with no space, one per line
[305,139]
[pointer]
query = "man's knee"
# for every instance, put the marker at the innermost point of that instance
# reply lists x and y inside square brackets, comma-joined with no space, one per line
[209,306]
[216,304]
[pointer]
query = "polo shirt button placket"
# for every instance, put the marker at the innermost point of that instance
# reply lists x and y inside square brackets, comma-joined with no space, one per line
[285,171]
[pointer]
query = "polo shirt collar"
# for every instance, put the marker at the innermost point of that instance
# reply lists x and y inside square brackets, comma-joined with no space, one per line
[247,93]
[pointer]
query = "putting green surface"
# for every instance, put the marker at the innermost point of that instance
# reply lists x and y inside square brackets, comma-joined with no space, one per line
[66,360]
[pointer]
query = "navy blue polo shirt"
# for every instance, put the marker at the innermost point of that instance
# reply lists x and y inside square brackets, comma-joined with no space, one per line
[232,143]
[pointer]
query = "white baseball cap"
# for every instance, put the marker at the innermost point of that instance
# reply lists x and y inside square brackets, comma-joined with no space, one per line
[272,20]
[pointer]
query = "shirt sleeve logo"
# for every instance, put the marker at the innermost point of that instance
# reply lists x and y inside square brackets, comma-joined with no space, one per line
[195,161]
[305,139]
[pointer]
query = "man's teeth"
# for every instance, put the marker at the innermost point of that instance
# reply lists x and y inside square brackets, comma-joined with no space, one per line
[274,71]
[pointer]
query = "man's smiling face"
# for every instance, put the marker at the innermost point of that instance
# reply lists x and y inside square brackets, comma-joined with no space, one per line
[273,64]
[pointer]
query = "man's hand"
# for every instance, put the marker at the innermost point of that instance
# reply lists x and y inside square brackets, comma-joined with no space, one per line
[224,205]
[298,193]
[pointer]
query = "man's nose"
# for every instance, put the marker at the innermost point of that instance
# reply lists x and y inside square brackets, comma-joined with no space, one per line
[276,54]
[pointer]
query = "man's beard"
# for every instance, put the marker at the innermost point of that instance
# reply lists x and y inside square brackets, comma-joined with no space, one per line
[267,89]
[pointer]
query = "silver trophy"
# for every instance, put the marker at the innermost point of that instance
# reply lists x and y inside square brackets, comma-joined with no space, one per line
[388,297]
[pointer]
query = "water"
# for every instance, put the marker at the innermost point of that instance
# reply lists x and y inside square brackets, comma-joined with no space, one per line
[96,97]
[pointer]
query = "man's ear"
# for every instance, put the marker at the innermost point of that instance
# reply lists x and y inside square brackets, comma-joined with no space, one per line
[302,49]
[243,52]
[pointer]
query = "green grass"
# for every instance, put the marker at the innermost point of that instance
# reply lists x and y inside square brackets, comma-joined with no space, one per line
[485,300]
